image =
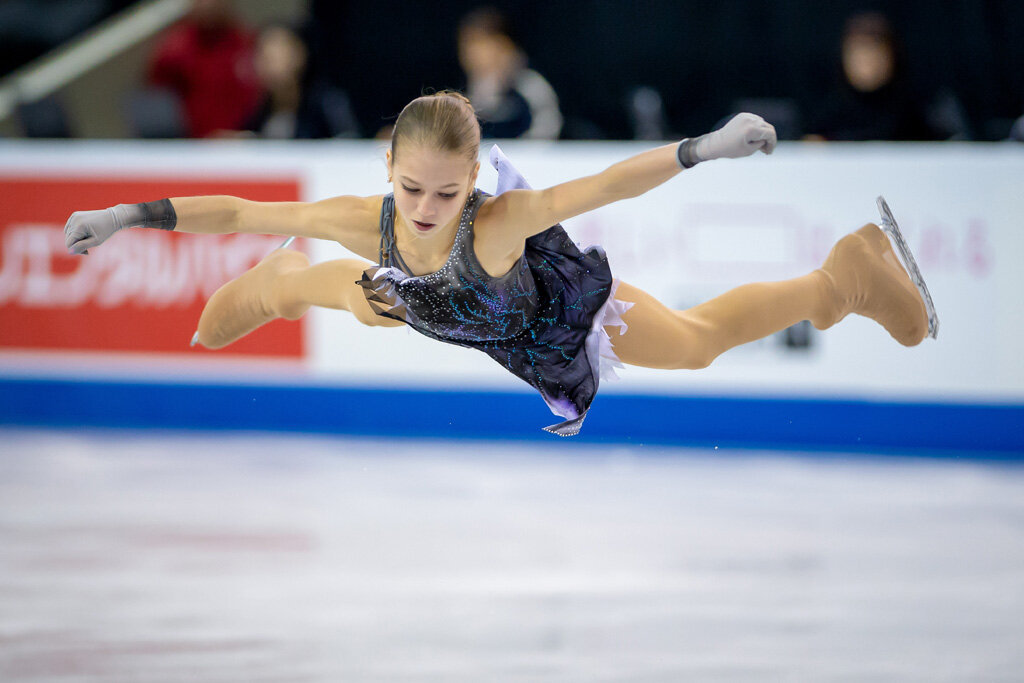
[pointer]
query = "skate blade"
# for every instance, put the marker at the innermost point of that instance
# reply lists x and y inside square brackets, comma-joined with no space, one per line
[195,339]
[890,228]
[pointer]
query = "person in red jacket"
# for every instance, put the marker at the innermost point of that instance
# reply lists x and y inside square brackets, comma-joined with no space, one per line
[207,60]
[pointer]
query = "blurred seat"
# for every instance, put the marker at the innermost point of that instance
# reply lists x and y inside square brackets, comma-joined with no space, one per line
[154,113]
[647,114]
[947,116]
[1017,130]
[44,118]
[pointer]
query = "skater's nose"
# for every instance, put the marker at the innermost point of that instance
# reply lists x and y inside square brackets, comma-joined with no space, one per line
[426,207]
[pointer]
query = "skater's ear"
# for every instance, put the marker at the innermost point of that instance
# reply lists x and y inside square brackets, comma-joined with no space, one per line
[473,175]
[388,159]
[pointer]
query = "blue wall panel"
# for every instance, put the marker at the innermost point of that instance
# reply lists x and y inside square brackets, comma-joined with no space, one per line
[940,429]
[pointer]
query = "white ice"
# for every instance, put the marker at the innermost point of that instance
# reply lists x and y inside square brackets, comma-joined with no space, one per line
[150,557]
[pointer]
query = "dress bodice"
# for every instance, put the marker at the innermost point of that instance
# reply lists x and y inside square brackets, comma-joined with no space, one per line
[460,301]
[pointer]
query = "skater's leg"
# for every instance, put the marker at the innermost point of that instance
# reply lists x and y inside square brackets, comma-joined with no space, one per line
[284,285]
[659,337]
[861,275]
[331,284]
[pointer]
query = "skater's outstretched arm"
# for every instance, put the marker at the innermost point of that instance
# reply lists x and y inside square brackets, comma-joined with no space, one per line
[528,212]
[351,221]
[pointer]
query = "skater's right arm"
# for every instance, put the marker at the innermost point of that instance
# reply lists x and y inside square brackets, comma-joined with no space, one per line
[337,218]
[351,221]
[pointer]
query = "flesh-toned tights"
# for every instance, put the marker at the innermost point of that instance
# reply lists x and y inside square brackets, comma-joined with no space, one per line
[657,336]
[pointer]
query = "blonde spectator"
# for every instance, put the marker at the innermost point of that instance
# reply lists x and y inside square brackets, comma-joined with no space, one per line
[511,99]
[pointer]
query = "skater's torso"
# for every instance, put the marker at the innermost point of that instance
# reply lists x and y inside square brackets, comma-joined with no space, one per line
[457,297]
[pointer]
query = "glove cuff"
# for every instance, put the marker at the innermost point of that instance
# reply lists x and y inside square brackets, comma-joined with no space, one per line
[159,214]
[686,153]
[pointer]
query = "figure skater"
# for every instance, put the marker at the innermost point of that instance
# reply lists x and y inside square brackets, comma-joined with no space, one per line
[499,274]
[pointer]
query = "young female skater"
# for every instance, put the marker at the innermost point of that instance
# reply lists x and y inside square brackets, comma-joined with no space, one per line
[497,273]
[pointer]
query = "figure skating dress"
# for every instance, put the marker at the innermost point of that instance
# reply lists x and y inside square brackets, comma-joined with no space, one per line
[543,320]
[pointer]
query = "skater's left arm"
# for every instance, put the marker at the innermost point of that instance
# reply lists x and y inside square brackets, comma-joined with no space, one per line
[533,211]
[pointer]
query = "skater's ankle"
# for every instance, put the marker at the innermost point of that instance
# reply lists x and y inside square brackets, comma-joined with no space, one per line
[829,309]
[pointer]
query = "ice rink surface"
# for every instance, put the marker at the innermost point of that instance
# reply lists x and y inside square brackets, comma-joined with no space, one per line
[149,557]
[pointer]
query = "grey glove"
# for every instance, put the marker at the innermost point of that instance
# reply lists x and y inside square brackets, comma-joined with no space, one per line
[87,229]
[743,135]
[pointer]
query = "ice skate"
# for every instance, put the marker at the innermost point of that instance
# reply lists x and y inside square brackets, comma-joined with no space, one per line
[893,230]
[868,280]
[247,302]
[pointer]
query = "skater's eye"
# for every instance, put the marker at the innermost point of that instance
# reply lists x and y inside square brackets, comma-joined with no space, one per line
[446,195]
[411,190]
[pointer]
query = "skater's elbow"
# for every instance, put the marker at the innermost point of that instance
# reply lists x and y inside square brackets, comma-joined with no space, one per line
[235,215]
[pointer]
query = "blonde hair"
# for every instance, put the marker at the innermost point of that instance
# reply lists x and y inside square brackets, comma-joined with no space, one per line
[445,121]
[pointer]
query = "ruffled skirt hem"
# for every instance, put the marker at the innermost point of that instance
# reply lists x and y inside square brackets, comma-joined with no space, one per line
[602,357]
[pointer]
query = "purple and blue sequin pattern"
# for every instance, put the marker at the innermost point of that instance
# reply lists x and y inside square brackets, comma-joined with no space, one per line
[460,302]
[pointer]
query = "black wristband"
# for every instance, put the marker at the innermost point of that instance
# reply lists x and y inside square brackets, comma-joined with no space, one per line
[686,153]
[159,214]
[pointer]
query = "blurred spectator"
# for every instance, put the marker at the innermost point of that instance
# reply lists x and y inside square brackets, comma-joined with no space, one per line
[294,104]
[510,99]
[872,100]
[206,60]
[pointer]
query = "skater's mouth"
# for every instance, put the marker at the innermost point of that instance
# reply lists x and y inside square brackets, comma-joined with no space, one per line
[423,227]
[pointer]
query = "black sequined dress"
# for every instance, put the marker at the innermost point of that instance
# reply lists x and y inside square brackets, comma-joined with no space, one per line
[542,320]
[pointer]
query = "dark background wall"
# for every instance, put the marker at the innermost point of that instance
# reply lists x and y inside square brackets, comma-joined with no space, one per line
[700,55]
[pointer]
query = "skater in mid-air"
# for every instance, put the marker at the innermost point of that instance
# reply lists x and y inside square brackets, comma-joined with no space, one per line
[499,274]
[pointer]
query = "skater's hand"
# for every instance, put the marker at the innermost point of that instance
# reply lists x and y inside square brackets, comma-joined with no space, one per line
[87,229]
[743,135]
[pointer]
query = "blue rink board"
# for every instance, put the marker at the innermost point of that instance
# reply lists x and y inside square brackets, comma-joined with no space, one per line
[972,430]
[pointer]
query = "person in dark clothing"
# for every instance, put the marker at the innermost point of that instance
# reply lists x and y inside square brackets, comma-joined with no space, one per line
[295,105]
[872,100]
[512,100]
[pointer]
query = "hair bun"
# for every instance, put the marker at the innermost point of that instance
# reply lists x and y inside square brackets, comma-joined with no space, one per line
[457,95]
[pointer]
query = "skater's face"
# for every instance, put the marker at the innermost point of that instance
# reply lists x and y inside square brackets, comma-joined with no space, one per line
[430,188]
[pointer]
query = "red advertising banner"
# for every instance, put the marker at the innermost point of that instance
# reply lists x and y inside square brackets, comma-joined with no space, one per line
[141,291]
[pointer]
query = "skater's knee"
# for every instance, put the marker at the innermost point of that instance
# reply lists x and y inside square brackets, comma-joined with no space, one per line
[699,340]
[359,306]
[371,318]
[291,259]
[693,358]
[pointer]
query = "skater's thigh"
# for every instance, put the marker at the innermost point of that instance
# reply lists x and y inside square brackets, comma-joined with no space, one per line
[334,284]
[657,336]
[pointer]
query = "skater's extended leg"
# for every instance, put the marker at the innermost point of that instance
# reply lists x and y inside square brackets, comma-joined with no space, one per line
[861,275]
[659,337]
[284,285]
